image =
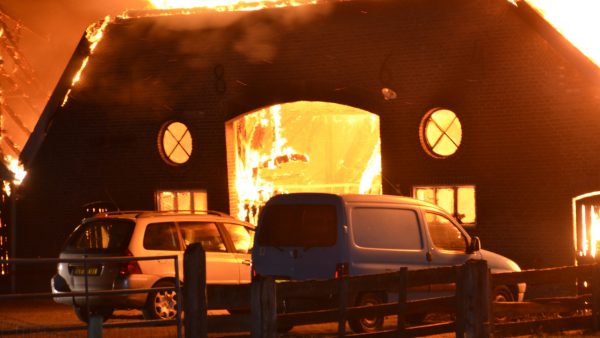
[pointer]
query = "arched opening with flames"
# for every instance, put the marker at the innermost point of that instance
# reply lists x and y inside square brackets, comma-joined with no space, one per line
[301,146]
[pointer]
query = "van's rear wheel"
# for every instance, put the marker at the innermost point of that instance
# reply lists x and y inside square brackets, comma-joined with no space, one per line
[161,304]
[367,324]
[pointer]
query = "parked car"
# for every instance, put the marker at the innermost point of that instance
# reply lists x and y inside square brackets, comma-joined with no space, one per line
[226,241]
[305,236]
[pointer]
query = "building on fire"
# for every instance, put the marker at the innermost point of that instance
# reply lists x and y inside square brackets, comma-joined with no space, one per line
[479,106]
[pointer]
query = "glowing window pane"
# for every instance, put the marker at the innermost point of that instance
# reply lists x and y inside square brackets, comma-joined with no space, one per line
[175,143]
[445,199]
[425,194]
[184,201]
[466,204]
[166,201]
[200,201]
[441,133]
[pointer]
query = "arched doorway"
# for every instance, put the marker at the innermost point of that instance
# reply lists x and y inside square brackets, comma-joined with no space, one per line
[299,147]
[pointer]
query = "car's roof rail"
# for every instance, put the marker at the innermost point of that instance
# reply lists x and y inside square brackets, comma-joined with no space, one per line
[187,212]
[120,212]
[141,213]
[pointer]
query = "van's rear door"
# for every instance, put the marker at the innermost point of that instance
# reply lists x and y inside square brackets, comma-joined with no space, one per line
[298,237]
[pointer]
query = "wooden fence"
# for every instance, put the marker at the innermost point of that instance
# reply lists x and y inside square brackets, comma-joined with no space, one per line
[473,312]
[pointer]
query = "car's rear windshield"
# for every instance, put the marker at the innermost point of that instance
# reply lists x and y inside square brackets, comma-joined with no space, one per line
[302,225]
[106,235]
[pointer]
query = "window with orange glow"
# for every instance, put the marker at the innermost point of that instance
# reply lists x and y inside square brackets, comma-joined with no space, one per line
[440,133]
[301,147]
[175,143]
[459,201]
[192,201]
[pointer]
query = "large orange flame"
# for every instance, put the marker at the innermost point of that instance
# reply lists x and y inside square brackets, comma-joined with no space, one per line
[576,20]
[226,5]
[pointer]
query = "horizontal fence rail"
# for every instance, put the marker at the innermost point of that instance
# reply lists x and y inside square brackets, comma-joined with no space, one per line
[95,325]
[472,306]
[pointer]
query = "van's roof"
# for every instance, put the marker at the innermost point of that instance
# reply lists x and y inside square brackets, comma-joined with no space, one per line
[361,198]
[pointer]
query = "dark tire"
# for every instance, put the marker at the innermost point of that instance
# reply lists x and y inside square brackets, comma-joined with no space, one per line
[367,324]
[502,293]
[82,312]
[161,304]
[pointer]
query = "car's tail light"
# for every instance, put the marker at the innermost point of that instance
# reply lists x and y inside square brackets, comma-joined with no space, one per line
[129,267]
[341,270]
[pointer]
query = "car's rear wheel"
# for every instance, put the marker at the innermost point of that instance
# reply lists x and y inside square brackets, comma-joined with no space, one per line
[367,324]
[161,304]
[82,312]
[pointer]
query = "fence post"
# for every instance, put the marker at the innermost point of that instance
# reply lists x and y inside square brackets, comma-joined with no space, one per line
[194,291]
[473,300]
[263,310]
[596,297]
[94,325]
[402,306]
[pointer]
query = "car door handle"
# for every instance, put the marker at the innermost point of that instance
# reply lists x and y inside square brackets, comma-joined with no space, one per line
[247,262]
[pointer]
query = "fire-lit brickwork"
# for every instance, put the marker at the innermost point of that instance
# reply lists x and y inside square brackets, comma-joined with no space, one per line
[530,116]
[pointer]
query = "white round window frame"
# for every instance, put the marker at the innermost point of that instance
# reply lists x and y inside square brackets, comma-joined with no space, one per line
[423,135]
[161,143]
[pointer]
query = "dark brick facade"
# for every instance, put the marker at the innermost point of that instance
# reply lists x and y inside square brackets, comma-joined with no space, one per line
[531,119]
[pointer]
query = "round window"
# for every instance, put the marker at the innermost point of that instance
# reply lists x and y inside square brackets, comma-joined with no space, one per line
[440,133]
[175,143]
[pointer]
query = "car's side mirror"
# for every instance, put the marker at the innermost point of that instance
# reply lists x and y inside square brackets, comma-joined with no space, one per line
[474,245]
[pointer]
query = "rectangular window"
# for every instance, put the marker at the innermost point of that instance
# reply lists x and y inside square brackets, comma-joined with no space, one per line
[458,200]
[161,236]
[106,235]
[205,233]
[300,225]
[386,228]
[181,200]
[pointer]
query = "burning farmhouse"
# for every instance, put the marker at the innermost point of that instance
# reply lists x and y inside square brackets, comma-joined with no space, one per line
[479,106]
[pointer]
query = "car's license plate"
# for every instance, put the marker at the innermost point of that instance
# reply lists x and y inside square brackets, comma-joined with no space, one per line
[81,271]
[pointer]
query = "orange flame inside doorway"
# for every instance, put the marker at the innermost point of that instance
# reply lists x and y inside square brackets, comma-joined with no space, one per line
[586,226]
[301,147]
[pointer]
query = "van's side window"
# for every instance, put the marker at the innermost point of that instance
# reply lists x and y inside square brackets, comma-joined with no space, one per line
[444,233]
[386,228]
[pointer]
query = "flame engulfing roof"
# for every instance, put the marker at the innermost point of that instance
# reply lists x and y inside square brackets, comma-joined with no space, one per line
[576,20]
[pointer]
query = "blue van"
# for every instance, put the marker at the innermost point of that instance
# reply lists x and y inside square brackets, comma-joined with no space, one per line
[303,236]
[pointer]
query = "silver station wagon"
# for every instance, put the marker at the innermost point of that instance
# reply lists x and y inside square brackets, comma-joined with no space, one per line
[226,241]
